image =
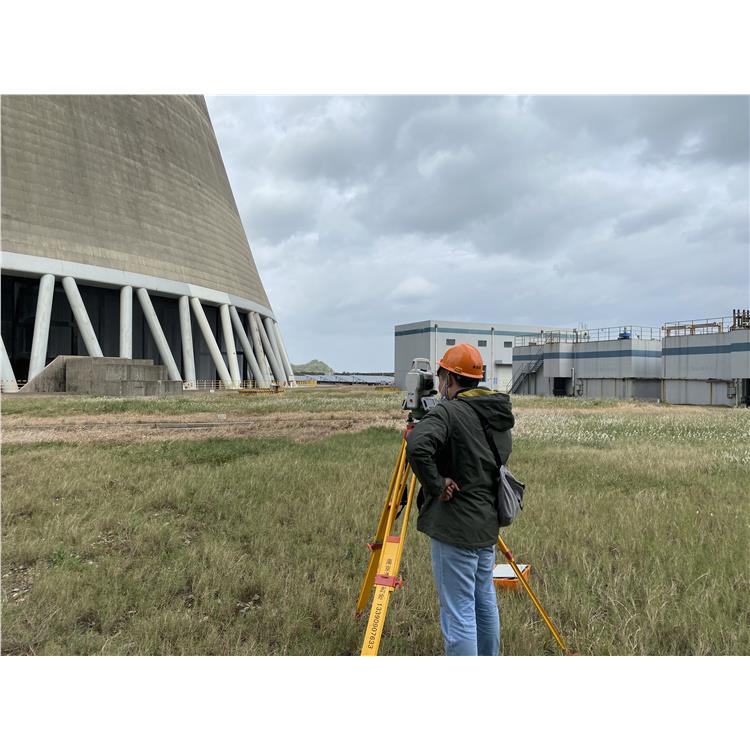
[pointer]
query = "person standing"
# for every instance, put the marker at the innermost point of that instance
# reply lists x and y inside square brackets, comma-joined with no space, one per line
[450,456]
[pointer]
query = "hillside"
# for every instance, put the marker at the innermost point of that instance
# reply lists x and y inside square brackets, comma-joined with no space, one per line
[313,367]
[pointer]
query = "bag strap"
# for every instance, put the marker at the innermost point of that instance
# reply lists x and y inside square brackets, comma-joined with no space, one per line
[487,431]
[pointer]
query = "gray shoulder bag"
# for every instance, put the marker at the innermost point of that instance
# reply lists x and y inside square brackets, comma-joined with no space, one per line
[509,493]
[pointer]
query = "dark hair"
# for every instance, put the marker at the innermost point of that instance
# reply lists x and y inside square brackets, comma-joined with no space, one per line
[462,380]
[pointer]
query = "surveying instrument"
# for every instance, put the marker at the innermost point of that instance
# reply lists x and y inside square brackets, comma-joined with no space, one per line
[382,577]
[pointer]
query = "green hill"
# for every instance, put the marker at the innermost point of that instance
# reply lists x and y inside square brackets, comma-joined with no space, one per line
[313,367]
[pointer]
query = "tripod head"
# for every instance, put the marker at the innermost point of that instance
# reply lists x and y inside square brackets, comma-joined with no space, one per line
[420,389]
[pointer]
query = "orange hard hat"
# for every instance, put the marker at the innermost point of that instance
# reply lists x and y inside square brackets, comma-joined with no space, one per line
[463,359]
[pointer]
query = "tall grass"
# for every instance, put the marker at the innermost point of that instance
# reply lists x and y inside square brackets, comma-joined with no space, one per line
[636,526]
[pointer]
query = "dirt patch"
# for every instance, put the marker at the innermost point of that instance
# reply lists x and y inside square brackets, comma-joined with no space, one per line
[111,428]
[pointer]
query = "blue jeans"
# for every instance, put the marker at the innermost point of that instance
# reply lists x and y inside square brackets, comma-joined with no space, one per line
[469,616]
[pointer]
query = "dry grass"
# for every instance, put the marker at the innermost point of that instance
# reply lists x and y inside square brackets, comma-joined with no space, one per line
[637,528]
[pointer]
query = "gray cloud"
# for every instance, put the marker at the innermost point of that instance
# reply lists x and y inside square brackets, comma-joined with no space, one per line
[365,212]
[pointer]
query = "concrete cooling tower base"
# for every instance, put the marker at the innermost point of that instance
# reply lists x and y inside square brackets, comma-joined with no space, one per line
[121,238]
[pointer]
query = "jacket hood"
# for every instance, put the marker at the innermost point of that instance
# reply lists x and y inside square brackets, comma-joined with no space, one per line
[494,406]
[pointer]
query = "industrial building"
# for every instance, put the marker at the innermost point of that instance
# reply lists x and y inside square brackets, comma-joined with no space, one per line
[121,241]
[622,362]
[705,362]
[431,338]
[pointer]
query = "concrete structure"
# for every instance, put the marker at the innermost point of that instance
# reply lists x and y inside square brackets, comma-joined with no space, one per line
[431,338]
[594,366]
[104,376]
[701,363]
[708,366]
[107,198]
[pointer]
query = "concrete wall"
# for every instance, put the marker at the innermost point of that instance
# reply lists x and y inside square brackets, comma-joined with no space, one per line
[618,388]
[103,376]
[133,183]
[698,392]
[721,356]
[739,342]
[558,360]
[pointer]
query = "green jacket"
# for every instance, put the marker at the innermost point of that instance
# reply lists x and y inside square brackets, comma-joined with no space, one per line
[449,442]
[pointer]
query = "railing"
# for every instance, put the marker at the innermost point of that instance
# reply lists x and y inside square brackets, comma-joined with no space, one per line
[611,333]
[218,385]
[545,337]
[740,319]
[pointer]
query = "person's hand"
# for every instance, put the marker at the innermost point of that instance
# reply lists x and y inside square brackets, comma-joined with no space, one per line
[449,488]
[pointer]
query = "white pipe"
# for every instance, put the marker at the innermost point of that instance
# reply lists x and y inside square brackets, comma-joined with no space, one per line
[6,372]
[158,335]
[284,356]
[229,345]
[265,336]
[186,334]
[126,322]
[82,317]
[260,381]
[38,358]
[258,347]
[213,347]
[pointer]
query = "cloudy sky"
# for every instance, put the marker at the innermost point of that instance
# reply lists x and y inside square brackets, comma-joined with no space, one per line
[366,212]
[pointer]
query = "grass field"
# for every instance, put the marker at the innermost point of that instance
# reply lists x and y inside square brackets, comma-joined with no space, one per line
[239,540]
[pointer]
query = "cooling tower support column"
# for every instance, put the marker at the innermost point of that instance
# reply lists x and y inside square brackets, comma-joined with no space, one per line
[229,345]
[271,331]
[126,322]
[284,356]
[247,349]
[9,383]
[82,317]
[186,334]
[258,347]
[266,337]
[38,357]
[213,347]
[159,338]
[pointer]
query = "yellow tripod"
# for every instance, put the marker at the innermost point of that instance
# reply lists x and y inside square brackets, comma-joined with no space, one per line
[386,551]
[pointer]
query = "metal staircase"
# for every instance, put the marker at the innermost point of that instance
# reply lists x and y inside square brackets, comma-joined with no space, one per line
[529,368]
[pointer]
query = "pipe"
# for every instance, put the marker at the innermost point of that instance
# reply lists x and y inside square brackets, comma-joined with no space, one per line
[82,317]
[265,336]
[9,383]
[38,359]
[186,334]
[158,335]
[126,322]
[284,356]
[208,337]
[260,381]
[258,348]
[230,345]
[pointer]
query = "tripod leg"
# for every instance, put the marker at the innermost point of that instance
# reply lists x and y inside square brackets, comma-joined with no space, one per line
[387,580]
[547,621]
[383,530]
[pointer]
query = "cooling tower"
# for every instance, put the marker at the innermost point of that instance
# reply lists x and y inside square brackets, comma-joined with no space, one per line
[121,237]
